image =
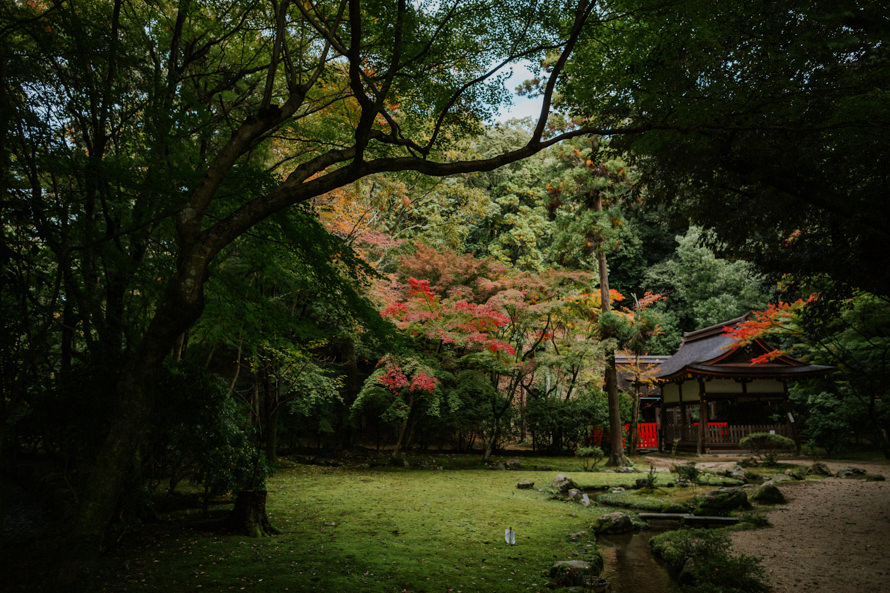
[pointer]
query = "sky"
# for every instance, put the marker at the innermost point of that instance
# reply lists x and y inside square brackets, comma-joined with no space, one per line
[522,106]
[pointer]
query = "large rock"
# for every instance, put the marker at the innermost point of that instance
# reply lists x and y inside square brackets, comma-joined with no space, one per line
[850,472]
[563,483]
[818,469]
[525,484]
[575,573]
[617,522]
[722,501]
[768,493]
[737,472]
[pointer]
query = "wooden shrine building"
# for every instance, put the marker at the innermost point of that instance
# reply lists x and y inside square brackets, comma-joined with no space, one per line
[712,395]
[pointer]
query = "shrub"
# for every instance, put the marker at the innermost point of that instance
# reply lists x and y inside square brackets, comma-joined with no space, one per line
[589,456]
[701,561]
[651,478]
[687,471]
[766,445]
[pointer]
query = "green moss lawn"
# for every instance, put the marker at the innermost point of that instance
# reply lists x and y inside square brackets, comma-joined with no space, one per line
[375,530]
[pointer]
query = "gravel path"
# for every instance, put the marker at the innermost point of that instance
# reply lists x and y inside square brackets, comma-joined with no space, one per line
[833,536]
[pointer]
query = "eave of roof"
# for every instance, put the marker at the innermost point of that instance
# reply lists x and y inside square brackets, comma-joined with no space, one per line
[701,351]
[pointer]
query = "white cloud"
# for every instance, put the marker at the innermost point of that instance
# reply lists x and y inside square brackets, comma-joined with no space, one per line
[522,106]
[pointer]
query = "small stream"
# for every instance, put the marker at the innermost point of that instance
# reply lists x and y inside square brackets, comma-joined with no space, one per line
[629,565]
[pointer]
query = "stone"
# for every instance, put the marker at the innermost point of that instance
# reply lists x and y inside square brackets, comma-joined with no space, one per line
[688,574]
[722,501]
[525,485]
[497,466]
[749,462]
[738,472]
[874,478]
[626,470]
[573,573]
[617,522]
[850,472]
[768,493]
[818,469]
[574,494]
[563,483]
[577,535]
[514,464]
[641,483]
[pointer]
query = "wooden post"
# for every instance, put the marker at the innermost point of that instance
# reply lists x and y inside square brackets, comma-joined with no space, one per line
[702,418]
[790,419]
[682,420]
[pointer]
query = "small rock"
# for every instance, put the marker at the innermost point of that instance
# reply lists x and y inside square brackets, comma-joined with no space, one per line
[574,494]
[577,535]
[525,485]
[874,478]
[330,524]
[563,483]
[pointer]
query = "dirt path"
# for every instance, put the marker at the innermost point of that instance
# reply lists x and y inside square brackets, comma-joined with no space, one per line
[833,536]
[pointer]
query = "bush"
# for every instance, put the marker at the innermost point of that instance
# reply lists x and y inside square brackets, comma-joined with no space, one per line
[589,455]
[700,560]
[688,472]
[767,445]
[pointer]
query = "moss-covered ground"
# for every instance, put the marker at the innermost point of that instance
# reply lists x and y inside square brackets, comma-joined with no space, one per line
[372,529]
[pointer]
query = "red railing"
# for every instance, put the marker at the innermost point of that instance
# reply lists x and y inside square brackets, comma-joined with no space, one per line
[647,435]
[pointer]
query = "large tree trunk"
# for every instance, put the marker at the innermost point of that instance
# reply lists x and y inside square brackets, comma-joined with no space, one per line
[180,308]
[616,451]
[249,515]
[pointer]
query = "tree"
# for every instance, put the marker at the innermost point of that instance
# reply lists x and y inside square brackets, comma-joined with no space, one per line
[701,289]
[141,140]
[766,122]
[849,333]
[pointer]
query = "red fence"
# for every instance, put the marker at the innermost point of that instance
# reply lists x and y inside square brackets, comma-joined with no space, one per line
[647,435]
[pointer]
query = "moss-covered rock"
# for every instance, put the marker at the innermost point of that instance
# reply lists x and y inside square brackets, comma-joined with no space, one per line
[618,522]
[574,573]
[563,483]
[722,501]
[818,469]
[768,493]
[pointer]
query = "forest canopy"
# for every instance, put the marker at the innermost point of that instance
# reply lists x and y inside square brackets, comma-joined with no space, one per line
[232,228]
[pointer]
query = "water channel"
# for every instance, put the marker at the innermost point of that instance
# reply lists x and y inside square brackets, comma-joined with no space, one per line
[629,565]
